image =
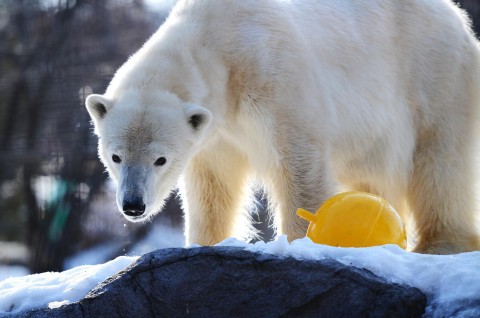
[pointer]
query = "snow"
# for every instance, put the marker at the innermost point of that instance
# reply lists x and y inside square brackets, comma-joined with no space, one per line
[162,235]
[445,279]
[39,290]
[7,271]
[92,256]
[56,289]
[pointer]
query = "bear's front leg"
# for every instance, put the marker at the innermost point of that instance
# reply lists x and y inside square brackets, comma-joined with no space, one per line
[214,186]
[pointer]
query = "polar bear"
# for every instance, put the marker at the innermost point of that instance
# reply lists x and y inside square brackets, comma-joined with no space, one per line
[311,97]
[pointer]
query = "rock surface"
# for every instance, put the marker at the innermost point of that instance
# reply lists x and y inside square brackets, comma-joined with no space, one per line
[232,282]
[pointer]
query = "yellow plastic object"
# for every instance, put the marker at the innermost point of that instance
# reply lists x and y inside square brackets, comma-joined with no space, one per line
[355,219]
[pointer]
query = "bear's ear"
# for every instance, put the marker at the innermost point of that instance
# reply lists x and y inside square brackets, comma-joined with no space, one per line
[97,106]
[198,117]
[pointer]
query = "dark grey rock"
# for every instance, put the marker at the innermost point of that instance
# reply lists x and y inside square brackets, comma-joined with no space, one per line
[232,282]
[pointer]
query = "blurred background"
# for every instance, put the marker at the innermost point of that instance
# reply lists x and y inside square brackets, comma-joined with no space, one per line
[57,206]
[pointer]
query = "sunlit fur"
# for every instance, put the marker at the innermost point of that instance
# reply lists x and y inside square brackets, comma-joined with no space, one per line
[310,97]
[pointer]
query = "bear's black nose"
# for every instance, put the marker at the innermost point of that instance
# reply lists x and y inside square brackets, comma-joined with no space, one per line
[133,207]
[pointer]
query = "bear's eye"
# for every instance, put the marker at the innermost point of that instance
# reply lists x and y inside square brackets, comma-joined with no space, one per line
[116,159]
[160,161]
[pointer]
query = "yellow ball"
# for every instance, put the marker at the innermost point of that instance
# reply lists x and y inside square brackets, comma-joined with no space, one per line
[355,219]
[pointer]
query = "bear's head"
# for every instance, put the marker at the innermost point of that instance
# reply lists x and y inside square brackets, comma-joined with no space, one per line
[145,142]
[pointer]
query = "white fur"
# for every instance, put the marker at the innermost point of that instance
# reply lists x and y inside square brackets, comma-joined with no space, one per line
[311,97]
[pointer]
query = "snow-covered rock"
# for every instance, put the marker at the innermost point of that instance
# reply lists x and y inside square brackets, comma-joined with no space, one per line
[234,282]
[451,283]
